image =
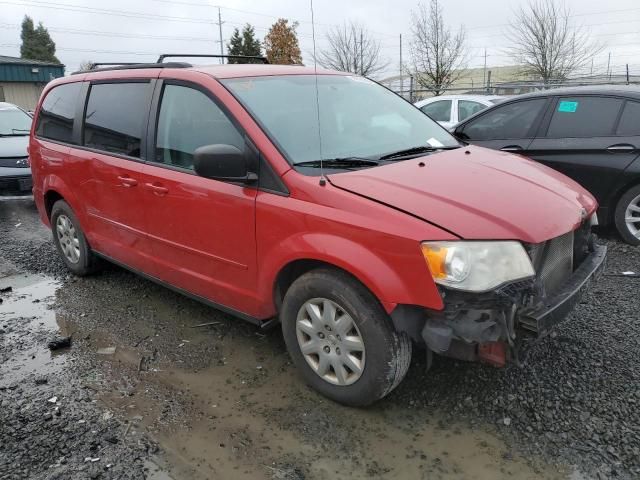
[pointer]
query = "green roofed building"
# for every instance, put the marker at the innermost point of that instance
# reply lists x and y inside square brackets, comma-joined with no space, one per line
[22,80]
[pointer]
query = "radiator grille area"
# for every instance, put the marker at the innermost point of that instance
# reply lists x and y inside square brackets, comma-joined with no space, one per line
[553,261]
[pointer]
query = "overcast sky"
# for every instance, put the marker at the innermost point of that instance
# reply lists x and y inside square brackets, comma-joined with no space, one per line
[138,30]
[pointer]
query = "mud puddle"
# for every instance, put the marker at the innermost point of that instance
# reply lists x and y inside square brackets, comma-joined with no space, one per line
[223,401]
[28,322]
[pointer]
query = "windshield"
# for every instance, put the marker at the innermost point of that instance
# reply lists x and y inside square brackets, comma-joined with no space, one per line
[14,121]
[358,118]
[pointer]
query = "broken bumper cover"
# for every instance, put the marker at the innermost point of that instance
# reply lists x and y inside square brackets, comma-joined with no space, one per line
[558,306]
[510,315]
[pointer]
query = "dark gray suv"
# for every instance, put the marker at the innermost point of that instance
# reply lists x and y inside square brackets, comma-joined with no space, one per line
[15,174]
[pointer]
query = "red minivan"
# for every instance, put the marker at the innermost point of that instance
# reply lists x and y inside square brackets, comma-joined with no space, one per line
[317,199]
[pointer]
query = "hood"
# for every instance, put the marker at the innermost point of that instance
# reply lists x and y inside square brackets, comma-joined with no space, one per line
[14,146]
[480,195]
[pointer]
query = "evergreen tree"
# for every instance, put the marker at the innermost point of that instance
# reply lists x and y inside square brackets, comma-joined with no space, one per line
[36,42]
[245,44]
[234,47]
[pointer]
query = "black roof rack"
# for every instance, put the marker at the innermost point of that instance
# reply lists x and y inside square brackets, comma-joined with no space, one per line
[197,55]
[98,67]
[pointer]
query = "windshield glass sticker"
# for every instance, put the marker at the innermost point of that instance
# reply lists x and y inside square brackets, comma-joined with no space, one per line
[435,143]
[568,106]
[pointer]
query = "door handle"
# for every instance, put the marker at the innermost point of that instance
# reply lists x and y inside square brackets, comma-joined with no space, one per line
[512,148]
[127,181]
[157,189]
[621,148]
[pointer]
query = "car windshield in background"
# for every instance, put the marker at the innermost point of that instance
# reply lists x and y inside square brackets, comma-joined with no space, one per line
[14,121]
[358,117]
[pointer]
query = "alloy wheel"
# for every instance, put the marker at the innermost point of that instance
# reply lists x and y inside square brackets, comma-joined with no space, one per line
[68,238]
[330,341]
[632,217]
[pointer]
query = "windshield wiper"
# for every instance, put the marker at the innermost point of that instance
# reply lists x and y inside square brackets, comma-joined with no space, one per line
[340,162]
[416,150]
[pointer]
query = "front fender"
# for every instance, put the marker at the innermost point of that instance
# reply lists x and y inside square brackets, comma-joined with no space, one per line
[394,277]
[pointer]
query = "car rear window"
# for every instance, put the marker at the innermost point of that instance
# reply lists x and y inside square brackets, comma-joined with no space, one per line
[630,121]
[115,117]
[55,121]
[584,117]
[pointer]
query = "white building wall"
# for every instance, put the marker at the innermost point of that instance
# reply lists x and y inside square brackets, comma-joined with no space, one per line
[23,94]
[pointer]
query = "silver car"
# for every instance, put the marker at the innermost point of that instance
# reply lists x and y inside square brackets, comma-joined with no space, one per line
[15,174]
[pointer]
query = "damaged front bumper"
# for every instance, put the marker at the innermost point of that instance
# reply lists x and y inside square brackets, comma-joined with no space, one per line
[497,326]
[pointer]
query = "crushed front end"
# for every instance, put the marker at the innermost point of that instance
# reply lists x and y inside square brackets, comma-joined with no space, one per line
[498,325]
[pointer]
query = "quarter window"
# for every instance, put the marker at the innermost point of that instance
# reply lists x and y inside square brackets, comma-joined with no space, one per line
[584,117]
[115,117]
[55,120]
[439,111]
[189,119]
[514,120]
[466,108]
[630,122]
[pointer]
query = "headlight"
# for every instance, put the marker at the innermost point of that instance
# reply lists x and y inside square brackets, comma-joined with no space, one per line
[477,266]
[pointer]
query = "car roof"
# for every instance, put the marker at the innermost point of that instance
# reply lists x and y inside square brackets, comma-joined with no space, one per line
[216,71]
[478,98]
[259,70]
[623,90]
[8,106]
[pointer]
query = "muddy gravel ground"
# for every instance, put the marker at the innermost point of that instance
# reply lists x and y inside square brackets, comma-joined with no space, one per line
[158,386]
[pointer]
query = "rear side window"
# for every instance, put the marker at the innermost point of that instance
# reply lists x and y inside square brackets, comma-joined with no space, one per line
[190,119]
[584,117]
[55,121]
[466,108]
[439,111]
[514,120]
[115,117]
[630,121]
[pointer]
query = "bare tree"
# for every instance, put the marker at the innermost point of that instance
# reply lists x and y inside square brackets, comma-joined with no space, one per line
[352,49]
[546,44]
[85,65]
[438,55]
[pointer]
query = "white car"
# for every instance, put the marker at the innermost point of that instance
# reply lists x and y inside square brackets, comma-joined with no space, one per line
[449,110]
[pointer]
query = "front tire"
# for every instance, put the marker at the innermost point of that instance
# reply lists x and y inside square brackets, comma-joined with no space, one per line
[341,339]
[627,216]
[70,241]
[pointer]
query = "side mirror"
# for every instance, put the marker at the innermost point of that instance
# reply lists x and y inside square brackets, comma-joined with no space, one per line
[222,162]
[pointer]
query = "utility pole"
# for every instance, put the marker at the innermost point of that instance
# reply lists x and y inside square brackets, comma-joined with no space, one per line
[220,22]
[484,72]
[401,78]
[608,66]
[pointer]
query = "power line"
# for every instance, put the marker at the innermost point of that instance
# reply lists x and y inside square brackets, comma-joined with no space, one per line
[9,26]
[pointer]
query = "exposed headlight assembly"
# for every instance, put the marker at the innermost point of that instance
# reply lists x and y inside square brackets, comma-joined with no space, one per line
[477,266]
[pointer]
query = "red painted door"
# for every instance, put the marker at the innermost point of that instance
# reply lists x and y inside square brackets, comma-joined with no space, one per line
[109,171]
[202,231]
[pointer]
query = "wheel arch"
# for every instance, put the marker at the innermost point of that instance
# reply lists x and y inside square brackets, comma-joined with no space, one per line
[632,182]
[296,256]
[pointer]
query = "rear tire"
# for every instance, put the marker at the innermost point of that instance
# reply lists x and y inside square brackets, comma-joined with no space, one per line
[629,208]
[355,359]
[70,241]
